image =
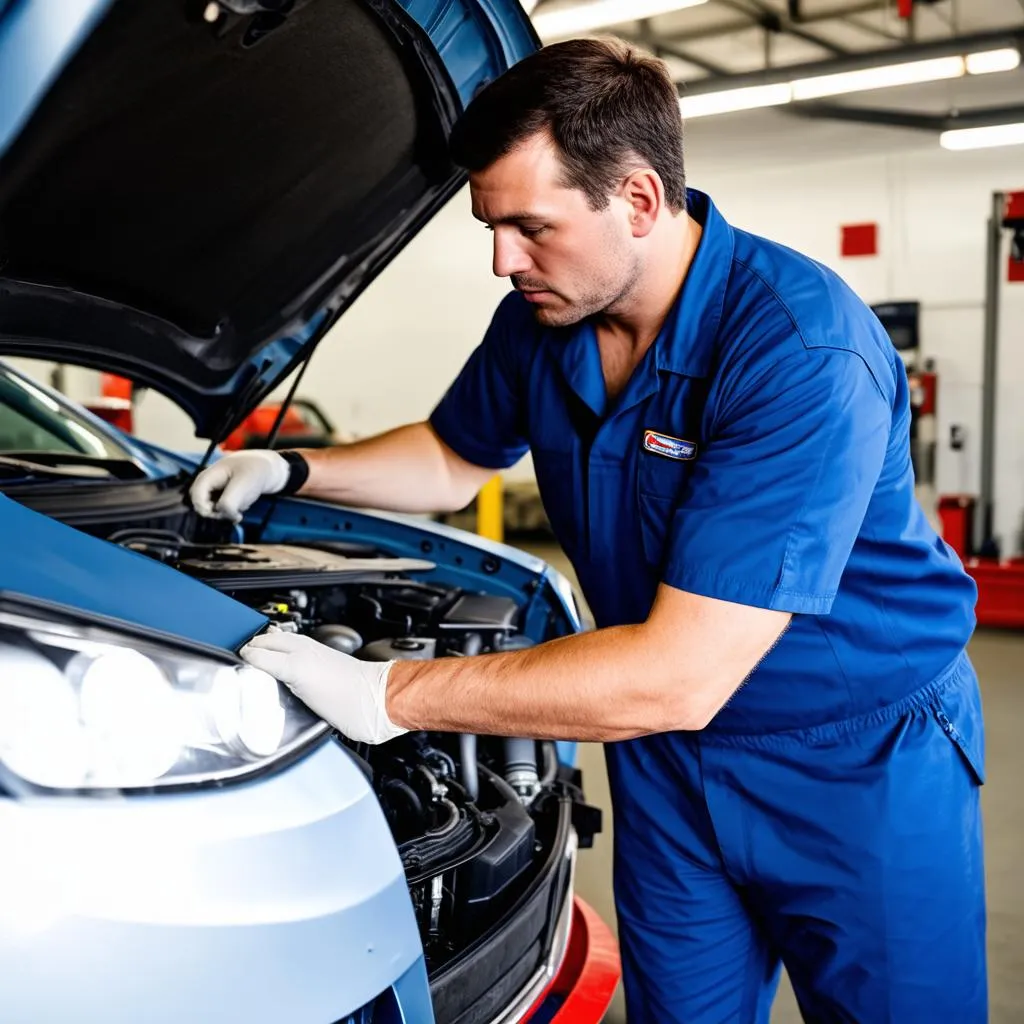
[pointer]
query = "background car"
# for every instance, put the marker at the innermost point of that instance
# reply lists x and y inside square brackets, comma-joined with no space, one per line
[191,195]
[303,425]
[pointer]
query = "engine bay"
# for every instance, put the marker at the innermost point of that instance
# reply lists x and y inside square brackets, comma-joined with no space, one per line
[475,818]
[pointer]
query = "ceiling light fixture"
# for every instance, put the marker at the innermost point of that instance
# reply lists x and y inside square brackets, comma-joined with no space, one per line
[885,77]
[731,100]
[596,14]
[989,61]
[983,138]
[814,87]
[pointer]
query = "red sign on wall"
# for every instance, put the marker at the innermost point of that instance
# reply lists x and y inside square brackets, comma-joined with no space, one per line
[859,240]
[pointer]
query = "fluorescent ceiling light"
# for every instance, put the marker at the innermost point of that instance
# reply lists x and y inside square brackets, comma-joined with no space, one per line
[595,14]
[983,138]
[989,61]
[878,78]
[819,86]
[730,100]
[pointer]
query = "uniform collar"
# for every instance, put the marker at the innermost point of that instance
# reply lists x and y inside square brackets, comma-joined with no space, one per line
[580,359]
[687,340]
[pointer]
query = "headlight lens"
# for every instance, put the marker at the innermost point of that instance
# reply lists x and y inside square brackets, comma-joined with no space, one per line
[88,708]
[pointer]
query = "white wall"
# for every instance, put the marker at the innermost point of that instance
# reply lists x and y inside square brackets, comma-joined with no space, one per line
[931,207]
[78,383]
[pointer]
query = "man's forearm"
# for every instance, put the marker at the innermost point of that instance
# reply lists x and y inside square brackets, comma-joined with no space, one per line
[675,671]
[605,685]
[405,470]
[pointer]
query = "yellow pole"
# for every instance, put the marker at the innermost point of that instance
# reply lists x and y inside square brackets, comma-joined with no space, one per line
[490,512]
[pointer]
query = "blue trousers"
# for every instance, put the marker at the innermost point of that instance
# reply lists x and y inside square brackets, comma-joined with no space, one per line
[851,853]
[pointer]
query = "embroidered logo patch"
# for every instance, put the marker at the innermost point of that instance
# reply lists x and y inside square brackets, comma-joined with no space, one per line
[670,447]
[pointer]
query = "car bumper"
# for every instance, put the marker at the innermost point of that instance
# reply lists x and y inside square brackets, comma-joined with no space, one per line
[577,980]
[582,990]
[278,899]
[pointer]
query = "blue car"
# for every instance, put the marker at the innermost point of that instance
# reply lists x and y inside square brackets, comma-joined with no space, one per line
[191,194]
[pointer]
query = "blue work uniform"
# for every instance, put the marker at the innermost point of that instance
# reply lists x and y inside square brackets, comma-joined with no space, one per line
[828,817]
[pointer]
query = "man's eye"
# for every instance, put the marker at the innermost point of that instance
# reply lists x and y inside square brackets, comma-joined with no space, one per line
[532,232]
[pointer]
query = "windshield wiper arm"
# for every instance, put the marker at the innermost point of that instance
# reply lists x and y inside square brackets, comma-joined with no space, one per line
[16,468]
[44,461]
[11,467]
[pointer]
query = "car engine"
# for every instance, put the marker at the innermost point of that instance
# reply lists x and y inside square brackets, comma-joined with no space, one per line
[474,818]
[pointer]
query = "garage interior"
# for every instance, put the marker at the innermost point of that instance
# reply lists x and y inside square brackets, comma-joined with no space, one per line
[906,176]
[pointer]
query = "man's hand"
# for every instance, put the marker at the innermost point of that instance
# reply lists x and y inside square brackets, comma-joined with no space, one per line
[240,478]
[342,690]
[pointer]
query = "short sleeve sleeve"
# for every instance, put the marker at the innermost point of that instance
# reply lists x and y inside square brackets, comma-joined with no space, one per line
[777,498]
[482,416]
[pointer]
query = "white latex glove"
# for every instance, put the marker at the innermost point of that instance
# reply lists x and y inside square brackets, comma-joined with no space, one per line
[342,690]
[241,478]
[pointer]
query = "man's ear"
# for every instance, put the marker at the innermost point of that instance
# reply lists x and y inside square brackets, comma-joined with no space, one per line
[645,194]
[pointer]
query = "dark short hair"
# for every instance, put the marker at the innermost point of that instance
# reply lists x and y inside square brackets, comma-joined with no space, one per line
[605,103]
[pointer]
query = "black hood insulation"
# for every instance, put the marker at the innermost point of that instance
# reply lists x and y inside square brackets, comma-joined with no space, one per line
[187,192]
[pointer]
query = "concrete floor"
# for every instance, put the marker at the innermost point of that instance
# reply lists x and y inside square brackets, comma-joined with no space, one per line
[999,659]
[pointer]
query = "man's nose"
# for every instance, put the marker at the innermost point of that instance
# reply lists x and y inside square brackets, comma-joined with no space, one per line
[509,256]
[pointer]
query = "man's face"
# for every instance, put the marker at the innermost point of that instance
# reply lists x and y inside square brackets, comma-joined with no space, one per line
[568,260]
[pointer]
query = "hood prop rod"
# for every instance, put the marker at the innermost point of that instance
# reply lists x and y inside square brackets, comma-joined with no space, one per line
[275,430]
[243,400]
[221,432]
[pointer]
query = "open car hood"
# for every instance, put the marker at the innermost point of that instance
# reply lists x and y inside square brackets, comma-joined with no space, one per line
[192,192]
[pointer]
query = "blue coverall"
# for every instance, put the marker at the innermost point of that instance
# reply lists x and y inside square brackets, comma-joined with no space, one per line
[828,817]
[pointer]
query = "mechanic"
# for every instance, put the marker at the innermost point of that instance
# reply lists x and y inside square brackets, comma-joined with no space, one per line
[720,432]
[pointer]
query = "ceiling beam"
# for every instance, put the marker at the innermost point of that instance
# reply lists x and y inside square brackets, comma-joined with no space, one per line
[772,21]
[728,28]
[982,117]
[667,50]
[812,37]
[754,17]
[979,117]
[650,40]
[874,30]
[860,61]
[866,115]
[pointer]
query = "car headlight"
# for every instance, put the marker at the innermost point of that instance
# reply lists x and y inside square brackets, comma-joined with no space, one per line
[85,707]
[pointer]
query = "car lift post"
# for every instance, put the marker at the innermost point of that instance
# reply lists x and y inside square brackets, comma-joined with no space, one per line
[986,545]
[1000,580]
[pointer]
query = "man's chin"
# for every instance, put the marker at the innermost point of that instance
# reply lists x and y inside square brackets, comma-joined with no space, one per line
[553,316]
